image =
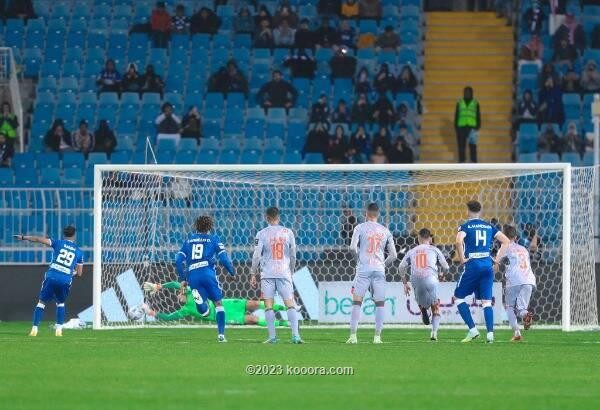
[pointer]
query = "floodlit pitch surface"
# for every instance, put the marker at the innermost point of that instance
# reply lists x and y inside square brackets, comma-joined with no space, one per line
[188,369]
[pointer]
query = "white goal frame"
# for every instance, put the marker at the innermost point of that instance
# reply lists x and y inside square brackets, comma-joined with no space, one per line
[565,168]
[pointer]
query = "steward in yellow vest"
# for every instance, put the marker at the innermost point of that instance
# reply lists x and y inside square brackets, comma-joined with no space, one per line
[467,120]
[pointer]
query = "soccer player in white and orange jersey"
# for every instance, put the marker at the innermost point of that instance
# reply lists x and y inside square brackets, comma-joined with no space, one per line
[369,242]
[520,283]
[424,259]
[275,255]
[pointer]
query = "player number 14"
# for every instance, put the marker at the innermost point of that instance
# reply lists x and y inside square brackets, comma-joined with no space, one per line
[480,236]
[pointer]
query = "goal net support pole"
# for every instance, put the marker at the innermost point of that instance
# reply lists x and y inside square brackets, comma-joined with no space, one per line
[506,186]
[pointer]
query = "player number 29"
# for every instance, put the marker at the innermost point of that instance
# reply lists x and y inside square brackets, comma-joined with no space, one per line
[197,251]
[65,257]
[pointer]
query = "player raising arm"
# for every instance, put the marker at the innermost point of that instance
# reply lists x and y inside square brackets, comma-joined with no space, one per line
[473,245]
[67,261]
[520,283]
[369,241]
[199,254]
[275,256]
[424,260]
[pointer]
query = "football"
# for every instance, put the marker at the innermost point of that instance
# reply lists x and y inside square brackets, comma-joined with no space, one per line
[135,313]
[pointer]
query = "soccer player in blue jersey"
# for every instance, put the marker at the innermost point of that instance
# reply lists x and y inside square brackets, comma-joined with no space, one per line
[473,245]
[67,261]
[199,255]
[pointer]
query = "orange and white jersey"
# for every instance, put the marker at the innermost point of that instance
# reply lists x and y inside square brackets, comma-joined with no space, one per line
[275,250]
[369,241]
[424,260]
[518,272]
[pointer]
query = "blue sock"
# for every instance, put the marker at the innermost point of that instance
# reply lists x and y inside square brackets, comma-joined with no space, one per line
[488,314]
[465,313]
[202,308]
[38,313]
[60,313]
[220,319]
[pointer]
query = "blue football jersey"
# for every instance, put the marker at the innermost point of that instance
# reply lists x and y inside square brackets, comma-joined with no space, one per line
[201,251]
[65,258]
[479,238]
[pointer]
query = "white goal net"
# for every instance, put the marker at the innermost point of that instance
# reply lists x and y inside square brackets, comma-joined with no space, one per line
[144,213]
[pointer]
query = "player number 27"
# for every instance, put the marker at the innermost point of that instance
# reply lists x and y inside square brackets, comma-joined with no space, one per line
[197,251]
[65,257]
[374,244]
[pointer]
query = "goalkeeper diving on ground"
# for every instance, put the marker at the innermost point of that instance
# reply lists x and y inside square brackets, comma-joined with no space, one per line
[238,311]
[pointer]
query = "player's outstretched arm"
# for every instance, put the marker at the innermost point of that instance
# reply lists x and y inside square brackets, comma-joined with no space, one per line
[503,239]
[35,239]
[460,247]
[226,262]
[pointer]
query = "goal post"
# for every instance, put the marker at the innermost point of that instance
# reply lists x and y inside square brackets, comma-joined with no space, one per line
[142,214]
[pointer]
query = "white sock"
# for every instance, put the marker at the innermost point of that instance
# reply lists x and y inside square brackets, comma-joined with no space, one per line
[435,323]
[59,327]
[34,328]
[512,319]
[490,335]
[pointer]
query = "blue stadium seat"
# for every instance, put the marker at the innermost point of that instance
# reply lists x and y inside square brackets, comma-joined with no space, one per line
[6,177]
[229,157]
[187,144]
[313,158]
[166,145]
[120,157]
[208,157]
[27,177]
[186,157]
[368,26]
[276,115]
[73,160]
[250,157]
[47,160]
[50,176]
[292,158]
[231,144]
[549,157]
[528,158]
[588,159]
[209,144]
[72,176]
[96,158]
[272,157]
[573,158]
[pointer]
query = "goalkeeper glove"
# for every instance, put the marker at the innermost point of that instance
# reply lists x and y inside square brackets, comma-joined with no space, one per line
[151,287]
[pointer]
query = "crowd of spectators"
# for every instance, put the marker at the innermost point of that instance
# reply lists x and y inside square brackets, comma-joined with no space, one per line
[110,80]
[84,140]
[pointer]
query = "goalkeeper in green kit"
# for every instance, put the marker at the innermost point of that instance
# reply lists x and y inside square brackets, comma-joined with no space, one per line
[239,311]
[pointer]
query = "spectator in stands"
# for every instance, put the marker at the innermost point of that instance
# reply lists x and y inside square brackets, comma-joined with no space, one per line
[533,19]
[360,141]
[378,156]
[532,51]
[572,31]
[151,82]
[590,78]
[131,80]
[341,114]
[406,81]
[369,9]
[389,40]
[382,139]
[548,71]
[337,148]
[285,12]
[467,120]
[205,21]
[329,7]
[160,23]
[301,64]
[9,123]
[316,141]
[326,36]
[383,111]
[350,9]
[570,80]
[549,141]
[7,151]
[284,35]
[384,80]
[564,53]
[106,141]
[320,111]
[109,78]
[58,138]
[406,116]
[244,22]
[20,9]
[229,79]
[401,153]
[180,23]
[573,141]
[346,34]
[168,124]
[408,137]
[191,126]
[363,81]
[527,109]
[263,14]
[304,38]
[551,105]
[277,93]
[264,35]
[361,110]
[82,139]
[342,64]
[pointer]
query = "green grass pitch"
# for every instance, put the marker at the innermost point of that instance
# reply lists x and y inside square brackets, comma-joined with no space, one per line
[188,369]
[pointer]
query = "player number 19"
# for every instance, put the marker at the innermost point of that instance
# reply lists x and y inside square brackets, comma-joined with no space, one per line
[197,251]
